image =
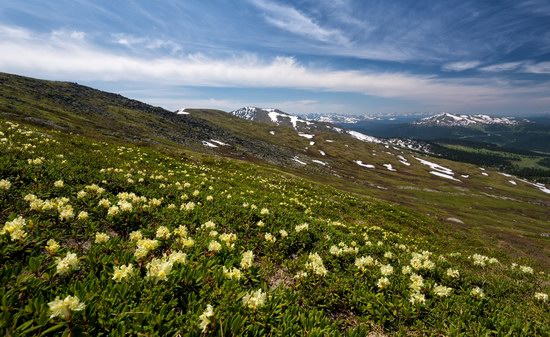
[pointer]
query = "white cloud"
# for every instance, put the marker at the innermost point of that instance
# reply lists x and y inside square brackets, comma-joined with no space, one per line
[41,55]
[536,68]
[460,66]
[292,20]
[68,34]
[133,42]
[496,68]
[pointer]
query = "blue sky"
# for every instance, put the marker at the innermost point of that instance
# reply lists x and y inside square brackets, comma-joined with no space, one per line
[342,56]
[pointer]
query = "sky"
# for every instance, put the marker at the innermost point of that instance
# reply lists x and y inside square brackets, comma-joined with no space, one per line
[301,56]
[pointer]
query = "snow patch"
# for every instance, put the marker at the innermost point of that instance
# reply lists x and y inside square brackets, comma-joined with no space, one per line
[443,175]
[436,167]
[540,186]
[182,112]
[322,153]
[272,132]
[311,143]
[389,167]
[512,182]
[273,116]
[305,135]
[364,138]
[298,161]
[218,142]
[205,143]
[319,162]
[329,141]
[360,163]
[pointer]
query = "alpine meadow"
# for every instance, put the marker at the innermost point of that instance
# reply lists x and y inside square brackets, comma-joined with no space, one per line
[274,168]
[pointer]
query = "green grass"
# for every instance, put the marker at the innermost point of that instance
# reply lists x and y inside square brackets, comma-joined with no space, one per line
[344,301]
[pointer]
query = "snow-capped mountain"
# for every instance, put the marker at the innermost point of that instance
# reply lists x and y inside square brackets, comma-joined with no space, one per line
[448,119]
[335,118]
[276,117]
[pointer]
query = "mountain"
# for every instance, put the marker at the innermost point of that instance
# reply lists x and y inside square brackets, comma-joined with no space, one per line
[336,118]
[204,187]
[447,119]
[273,116]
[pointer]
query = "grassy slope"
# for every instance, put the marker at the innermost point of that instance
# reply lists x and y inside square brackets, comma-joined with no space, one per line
[344,301]
[521,211]
[518,230]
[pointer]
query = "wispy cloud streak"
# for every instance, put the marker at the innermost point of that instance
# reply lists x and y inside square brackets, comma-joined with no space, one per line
[294,21]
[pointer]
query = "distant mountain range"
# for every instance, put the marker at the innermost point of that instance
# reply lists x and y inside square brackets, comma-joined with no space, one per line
[448,119]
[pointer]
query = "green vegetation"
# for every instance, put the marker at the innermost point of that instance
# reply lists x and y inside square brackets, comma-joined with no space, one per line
[522,163]
[322,262]
[119,211]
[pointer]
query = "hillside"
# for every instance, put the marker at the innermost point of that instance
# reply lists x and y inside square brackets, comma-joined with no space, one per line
[347,236]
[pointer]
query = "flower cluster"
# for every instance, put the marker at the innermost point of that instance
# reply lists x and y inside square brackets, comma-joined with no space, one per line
[205,318]
[315,264]
[122,272]
[254,299]
[15,229]
[67,263]
[63,308]
[247,259]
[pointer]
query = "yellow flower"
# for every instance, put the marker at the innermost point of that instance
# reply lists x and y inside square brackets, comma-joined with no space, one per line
[453,273]
[417,297]
[214,246]
[136,236]
[5,184]
[541,297]
[208,225]
[302,227]
[66,212]
[365,261]
[177,257]
[269,237]
[181,231]
[247,259]
[159,269]
[477,292]
[52,246]
[442,291]
[187,242]
[386,270]
[15,229]
[105,203]
[205,317]
[254,300]
[66,264]
[101,237]
[83,215]
[163,232]
[383,283]
[417,282]
[113,210]
[122,272]
[232,273]
[315,264]
[64,307]
[526,269]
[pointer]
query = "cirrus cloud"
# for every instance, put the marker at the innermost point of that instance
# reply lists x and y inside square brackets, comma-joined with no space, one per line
[42,55]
